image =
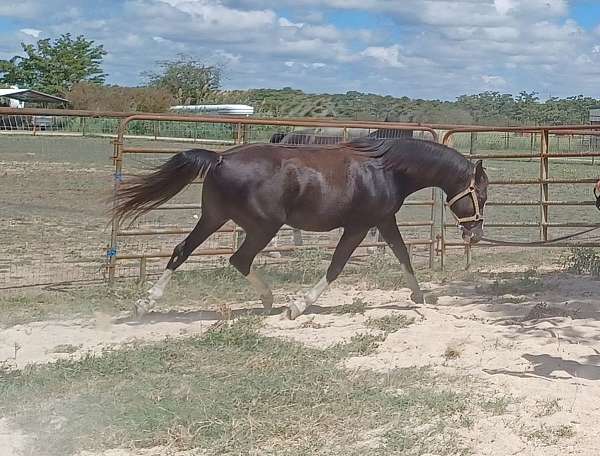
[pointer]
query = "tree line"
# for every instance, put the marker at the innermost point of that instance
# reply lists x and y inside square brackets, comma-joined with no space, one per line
[71,67]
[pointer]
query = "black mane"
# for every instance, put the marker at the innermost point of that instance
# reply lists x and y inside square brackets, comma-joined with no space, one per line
[410,152]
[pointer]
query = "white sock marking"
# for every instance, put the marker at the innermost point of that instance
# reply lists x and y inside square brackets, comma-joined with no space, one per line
[312,296]
[258,283]
[158,289]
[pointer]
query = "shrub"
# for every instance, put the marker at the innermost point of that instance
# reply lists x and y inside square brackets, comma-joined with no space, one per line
[95,97]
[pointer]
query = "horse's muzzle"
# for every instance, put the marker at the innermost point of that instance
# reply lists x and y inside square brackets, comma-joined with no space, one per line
[472,235]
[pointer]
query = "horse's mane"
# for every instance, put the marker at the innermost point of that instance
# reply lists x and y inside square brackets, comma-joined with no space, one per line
[372,148]
[392,153]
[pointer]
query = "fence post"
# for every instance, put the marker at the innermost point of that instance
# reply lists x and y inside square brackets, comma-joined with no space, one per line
[432,236]
[531,146]
[297,235]
[238,134]
[467,244]
[544,171]
[472,143]
[143,269]
[156,130]
[112,251]
[468,254]
[443,231]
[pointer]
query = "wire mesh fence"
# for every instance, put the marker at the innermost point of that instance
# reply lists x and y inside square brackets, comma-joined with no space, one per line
[52,221]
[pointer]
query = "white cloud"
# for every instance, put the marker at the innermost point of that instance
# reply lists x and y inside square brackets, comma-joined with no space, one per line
[215,14]
[285,22]
[35,33]
[388,56]
[424,48]
[493,81]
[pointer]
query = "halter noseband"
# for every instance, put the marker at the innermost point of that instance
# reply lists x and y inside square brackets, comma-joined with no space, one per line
[476,217]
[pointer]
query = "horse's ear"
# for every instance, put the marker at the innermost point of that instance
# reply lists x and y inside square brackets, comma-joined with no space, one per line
[479,171]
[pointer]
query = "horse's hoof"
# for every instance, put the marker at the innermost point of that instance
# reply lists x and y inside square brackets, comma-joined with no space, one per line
[267,301]
[142,306]
[293,312]
[417,298]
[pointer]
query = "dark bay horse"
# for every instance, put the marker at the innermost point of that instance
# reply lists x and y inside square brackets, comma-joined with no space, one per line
[325,136]
[320,136]
[355,186]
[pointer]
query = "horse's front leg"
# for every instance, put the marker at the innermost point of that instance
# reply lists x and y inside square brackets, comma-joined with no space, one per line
[256,240]
[348,243]
[391,234]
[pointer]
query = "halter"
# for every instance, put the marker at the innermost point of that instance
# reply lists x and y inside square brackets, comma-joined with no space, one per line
[468,191]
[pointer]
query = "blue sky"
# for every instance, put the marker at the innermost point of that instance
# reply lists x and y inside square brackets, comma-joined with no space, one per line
[416,48]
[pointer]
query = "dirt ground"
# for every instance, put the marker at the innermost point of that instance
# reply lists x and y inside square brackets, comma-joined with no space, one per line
[535,340]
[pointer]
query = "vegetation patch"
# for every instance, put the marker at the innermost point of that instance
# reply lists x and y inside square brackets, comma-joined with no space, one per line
[390,323]
[233,391]
[582,261]
[357,306]
[550,435]
[526,283]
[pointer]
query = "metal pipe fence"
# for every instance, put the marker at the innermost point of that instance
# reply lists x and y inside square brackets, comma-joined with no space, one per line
[56,178]
[553,178]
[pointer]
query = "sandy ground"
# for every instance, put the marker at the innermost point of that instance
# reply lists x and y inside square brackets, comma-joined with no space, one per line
[542,349]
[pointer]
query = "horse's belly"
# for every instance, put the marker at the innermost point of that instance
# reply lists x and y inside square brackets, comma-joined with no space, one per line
[314,222]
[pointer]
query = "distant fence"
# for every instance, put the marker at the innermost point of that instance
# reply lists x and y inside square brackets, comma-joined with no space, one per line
[58,174]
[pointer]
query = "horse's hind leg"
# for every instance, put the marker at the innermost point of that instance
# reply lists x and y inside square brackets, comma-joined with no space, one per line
[389,231]
[206,226]
[348,243]
[255,241]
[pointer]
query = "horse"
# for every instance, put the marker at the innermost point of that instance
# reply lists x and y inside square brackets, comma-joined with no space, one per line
[325,136]
[334,136]
[355,186]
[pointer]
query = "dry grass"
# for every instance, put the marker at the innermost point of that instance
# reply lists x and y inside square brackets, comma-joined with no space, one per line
[233,391]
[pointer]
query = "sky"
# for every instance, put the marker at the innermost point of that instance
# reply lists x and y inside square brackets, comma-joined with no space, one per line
[431,49]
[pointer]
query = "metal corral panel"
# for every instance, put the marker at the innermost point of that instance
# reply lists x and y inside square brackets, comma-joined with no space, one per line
[595,115]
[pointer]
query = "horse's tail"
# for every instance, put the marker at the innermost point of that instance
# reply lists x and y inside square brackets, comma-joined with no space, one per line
[140,194]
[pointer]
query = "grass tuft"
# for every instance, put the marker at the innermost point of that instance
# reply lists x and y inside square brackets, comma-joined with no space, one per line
[390,323]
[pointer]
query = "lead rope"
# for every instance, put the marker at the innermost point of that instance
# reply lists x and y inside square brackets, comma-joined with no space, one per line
[551,241]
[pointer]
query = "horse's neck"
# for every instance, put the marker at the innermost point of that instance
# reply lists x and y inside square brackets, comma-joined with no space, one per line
[436,168]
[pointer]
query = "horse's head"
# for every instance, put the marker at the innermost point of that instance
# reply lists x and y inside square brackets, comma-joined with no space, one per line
[467,206]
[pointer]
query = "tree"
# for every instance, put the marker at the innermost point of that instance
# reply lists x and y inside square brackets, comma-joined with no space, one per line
[188,80]
[54,66]
[527,108]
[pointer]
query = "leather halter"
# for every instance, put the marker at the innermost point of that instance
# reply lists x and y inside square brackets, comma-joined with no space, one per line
[476,217]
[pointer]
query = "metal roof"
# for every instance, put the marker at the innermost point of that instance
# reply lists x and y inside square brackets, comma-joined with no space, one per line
[30,95]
